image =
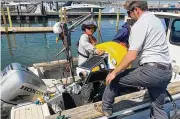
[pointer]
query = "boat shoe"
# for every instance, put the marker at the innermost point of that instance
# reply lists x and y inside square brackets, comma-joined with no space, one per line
[98,108]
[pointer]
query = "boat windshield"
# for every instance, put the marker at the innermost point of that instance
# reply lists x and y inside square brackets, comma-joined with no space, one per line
[175,32]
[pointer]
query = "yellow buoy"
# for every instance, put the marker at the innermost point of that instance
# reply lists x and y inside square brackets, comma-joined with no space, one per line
[115,50]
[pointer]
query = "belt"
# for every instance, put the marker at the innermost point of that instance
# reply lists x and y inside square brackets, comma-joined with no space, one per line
[159,65]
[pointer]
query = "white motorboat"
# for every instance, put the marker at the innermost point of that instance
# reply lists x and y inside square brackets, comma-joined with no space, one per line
[172,25]
[27,83]
[74,7]
[21,7]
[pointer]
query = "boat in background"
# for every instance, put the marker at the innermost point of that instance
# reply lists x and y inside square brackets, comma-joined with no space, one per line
[79,7]
[20,7]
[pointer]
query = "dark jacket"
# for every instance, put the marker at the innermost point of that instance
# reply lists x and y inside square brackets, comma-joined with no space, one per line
[123,34]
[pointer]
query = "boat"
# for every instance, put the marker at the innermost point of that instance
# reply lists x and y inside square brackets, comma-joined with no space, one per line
[74,7]
[20,7]
[30,84]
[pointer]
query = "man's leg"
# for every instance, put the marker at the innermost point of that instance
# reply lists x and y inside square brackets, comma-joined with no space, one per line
[157,95]
[144,76]
[112,90]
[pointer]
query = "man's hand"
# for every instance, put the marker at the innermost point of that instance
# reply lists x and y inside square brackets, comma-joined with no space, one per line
[110,77]
[127,60]
[100,52]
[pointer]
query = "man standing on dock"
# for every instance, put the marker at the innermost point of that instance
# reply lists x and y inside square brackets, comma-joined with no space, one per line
[148,39]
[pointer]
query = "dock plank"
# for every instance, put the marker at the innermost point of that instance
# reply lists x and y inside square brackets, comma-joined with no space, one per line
[121,103]
[27,29]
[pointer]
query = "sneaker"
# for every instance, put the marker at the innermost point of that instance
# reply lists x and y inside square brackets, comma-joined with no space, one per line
[98,108]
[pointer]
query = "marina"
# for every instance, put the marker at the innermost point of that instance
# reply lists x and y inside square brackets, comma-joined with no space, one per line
[43,66]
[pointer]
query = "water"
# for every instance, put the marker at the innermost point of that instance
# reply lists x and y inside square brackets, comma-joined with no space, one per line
[42,47]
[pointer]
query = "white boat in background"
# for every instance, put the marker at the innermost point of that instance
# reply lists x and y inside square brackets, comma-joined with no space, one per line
[74,7]
[21,7]
[16,3]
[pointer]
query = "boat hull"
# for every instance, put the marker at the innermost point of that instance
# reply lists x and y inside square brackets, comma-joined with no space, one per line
[83,9]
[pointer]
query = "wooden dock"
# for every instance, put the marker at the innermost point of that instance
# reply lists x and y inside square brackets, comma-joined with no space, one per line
[121,103]
[30,16]
[48,15]
[27,30]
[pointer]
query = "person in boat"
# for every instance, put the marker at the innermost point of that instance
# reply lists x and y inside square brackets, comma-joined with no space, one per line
[87,42]
[122,35]
[148,39]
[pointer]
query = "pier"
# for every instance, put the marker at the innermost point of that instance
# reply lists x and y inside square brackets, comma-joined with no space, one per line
[70,17]
[30,16]
[27,30]
[122,103]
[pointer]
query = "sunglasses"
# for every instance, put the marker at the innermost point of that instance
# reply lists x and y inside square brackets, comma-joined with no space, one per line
[89,27]
[129,11]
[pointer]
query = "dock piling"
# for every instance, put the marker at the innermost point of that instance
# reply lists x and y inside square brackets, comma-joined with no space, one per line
[18,18]
[35,18]
[42,8]
[91,9]
[9,44]
[9,17]
[117,22]
[13,35]
[57,7]
[99,25]
[13,40]
[61,15]
[17,8]
[20,9]
[27,18]
[4,20]
[65,19]
[91,12]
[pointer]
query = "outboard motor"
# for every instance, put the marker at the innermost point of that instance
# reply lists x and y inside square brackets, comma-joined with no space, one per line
[19,84]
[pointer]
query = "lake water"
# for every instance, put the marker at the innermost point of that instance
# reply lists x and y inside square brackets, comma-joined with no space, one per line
[42,47]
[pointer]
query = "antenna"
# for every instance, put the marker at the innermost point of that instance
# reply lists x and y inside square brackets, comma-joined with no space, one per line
[159,5]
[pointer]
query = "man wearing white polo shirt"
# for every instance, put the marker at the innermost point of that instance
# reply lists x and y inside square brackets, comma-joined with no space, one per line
[148,39]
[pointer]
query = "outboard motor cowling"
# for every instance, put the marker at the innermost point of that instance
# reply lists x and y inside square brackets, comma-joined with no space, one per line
[19,84]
